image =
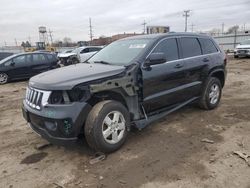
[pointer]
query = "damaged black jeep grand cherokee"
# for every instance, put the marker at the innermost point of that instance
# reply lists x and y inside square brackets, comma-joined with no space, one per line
[131,82]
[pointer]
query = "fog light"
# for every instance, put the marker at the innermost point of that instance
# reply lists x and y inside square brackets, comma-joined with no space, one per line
[51,126]
[67,126]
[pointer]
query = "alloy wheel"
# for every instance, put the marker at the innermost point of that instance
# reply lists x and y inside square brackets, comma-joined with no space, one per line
[113,127]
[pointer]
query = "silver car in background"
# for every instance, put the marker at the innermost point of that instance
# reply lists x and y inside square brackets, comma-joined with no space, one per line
[243,49]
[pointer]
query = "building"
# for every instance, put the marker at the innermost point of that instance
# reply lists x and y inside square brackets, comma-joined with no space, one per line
[157,29]
[102,41]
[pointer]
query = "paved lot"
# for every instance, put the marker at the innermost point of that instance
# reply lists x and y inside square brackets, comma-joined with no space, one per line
[169,153]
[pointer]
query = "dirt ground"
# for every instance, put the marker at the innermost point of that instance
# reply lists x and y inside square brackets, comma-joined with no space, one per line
[169,153]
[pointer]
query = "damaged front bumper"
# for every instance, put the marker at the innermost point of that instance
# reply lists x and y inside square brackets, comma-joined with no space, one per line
[59,124]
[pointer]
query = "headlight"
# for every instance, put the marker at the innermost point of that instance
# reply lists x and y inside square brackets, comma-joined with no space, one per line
[65,97]
[56,97]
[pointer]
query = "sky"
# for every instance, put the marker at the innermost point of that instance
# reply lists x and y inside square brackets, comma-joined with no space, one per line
[20,19]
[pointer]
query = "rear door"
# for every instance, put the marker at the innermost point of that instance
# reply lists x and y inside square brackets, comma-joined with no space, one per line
[196,64]
[40,63]
[162,83]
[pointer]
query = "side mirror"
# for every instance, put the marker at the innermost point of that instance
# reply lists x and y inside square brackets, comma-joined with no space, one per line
[12,64]
[155,58]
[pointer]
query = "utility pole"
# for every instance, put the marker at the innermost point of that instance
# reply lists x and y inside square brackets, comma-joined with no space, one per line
[186,15]
[51,37]
[16,42]
[29,39]
[222,28]
[144,27]
[192,27]
[90,30]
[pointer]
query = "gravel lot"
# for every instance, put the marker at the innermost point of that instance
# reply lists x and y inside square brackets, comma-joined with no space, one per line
[170,153]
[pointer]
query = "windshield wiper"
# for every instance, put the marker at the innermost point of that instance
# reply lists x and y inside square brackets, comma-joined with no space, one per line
[102,62]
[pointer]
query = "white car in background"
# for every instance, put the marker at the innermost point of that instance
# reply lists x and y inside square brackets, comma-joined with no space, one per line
[243,49]
[78,55]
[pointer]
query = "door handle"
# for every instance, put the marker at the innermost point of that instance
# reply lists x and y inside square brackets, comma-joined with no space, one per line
[205,60]
[177,66]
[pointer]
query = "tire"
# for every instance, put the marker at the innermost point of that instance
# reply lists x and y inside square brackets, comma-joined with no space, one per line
[211,94]
[235,56]
[4,78]
[115,126]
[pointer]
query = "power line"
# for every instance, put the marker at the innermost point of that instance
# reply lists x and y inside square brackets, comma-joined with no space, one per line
[186,15]
[144,26]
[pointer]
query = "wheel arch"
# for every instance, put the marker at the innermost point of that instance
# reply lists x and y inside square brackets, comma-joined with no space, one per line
[220,75]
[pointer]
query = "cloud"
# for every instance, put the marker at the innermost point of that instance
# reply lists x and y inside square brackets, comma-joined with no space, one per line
[21,19]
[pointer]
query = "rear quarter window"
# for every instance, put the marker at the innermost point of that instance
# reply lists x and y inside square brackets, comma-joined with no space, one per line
[51,57]
[190,47]
[207,46]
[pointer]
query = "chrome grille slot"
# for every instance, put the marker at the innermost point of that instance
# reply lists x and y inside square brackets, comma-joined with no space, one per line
[36,98]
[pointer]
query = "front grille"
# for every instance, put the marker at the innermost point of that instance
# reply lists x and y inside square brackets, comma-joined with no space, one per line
[36,98]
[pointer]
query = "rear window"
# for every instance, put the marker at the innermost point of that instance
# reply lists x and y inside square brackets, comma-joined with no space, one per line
[51,57]
[207,46]
[39,58]
[190,47]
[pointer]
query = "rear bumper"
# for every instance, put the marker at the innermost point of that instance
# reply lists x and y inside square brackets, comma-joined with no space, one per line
[242,52]
[59,124]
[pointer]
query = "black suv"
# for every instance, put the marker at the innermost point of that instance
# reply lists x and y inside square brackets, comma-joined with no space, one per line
[131,82]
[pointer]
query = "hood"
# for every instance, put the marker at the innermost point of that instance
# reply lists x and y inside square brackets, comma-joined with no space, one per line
[67,77]
[243,46]
[65,54]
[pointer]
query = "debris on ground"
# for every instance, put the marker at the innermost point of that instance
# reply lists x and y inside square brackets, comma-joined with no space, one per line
[57,185]
[122,182]
[97,158]
[207,141]
[243,156]
[41,146]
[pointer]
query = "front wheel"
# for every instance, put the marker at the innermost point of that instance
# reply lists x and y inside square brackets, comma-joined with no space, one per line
[211,94]
[3,78]
[106,127]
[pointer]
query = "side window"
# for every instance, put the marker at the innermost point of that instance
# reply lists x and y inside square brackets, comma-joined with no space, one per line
[94,49]
[207,46]
[86,50]
[39,58]
[190,47]
[51,57]
[19,60]
[169,47]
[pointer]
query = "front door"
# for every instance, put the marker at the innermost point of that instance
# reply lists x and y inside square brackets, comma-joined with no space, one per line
[163,83]
[20,66]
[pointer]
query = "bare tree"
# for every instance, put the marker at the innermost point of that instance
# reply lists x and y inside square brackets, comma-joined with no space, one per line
[233,29]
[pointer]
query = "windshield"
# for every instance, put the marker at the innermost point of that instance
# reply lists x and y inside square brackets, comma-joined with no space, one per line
[246,42]
[120,52]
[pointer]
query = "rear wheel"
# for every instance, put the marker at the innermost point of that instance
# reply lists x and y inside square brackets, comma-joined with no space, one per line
[3,78]
[235,56]
[106,126]
[211,94]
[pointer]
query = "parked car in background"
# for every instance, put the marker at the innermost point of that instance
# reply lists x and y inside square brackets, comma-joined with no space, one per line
[131,82]
[243,49]
[5,54]
[26,65]
[78,55]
